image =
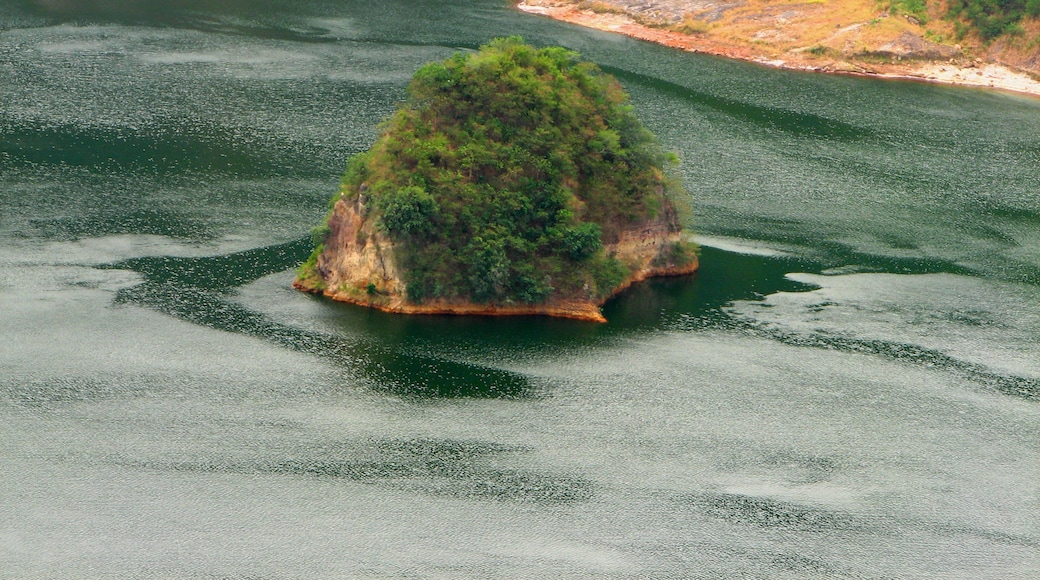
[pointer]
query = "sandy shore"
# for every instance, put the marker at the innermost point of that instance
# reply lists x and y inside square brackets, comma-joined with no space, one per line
[969,73]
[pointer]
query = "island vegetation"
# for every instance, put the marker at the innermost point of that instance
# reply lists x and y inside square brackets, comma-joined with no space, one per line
[512,177]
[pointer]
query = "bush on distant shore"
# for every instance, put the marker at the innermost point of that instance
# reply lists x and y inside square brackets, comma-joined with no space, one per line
[991,18]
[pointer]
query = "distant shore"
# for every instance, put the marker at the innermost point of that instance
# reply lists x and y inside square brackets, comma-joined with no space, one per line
[962,72]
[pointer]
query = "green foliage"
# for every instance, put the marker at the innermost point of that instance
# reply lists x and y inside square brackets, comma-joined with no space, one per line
[691,25]
[488,267]
[506,171]
[357,171]
[992,18]
[307,272]
[916,8]
[408,211]
[608,273]
[600,7]
[319,233]
[680,254]
[582,241]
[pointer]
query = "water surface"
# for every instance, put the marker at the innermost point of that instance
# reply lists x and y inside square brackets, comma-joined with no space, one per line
[848,388]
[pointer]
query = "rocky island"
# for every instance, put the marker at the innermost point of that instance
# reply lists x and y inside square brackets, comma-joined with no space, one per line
[514,180]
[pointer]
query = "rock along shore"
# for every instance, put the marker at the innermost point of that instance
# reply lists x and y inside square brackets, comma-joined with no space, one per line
[772,43]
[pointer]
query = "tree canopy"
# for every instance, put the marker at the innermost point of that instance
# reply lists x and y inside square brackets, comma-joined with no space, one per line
[505,172]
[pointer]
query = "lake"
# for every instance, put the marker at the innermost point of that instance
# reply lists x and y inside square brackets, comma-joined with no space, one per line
[849,388]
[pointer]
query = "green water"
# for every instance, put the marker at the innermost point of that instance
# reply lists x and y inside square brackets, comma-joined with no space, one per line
[847,389]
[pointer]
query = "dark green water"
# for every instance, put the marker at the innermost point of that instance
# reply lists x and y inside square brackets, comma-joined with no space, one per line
[848,388]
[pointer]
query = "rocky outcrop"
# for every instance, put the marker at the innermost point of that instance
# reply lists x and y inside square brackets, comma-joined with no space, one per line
[358,256]
[1019,51]
[645,249]
[357,266]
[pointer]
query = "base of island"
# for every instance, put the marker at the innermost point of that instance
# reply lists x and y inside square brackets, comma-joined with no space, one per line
[587,310]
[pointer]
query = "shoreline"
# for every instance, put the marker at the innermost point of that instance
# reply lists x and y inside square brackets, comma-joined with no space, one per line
[973,73]
[585,310]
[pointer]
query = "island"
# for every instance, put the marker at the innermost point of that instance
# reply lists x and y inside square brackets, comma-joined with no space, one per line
[514,180]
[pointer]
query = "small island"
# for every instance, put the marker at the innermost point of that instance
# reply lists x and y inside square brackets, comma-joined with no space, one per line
[514,180]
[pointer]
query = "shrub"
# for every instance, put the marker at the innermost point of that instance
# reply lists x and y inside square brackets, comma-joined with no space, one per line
[916,8]
[582,241]
[690,25]
[608,273]
[308,273]
[991,18]
[319,233]
[409,211]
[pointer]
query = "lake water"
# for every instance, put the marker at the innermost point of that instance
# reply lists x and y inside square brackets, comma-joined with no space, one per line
[850,388]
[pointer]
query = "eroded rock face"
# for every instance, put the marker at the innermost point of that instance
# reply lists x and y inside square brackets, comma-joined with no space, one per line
[357,266]
[1018,53]
[645,248]
[358,258]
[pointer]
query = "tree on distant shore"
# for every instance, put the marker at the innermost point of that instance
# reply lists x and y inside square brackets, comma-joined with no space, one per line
[991,18]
